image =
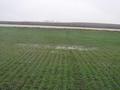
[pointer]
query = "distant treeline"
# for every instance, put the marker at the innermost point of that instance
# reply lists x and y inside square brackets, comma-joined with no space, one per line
[69,24]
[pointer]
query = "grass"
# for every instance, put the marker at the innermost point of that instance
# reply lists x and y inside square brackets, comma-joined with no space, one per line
[30,61]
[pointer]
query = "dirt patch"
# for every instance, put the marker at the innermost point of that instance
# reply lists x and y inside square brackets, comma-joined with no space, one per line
[80,48]
[58,47]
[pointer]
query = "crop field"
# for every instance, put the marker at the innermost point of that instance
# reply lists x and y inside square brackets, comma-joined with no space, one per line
[59,59]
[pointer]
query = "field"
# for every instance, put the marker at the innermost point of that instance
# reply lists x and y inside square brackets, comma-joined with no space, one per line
[58,59]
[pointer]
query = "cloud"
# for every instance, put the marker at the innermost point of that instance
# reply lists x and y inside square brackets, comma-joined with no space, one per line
[61,10]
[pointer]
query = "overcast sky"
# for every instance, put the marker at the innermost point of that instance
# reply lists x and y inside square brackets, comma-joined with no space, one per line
[101,11]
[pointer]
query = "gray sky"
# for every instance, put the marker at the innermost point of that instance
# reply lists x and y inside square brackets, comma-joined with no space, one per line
[102,11]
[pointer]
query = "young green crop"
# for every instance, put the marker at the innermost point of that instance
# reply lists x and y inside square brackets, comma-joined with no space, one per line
[58,59]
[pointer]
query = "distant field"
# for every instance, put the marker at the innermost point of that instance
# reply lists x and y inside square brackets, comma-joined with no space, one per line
[58,59]
[59,27]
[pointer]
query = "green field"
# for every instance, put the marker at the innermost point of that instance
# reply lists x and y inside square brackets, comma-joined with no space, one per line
[58,59]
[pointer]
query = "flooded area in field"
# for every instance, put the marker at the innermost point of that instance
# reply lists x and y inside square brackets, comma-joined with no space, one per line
[58,27]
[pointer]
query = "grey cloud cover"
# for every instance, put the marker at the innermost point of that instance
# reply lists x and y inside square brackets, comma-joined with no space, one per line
[101,11]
